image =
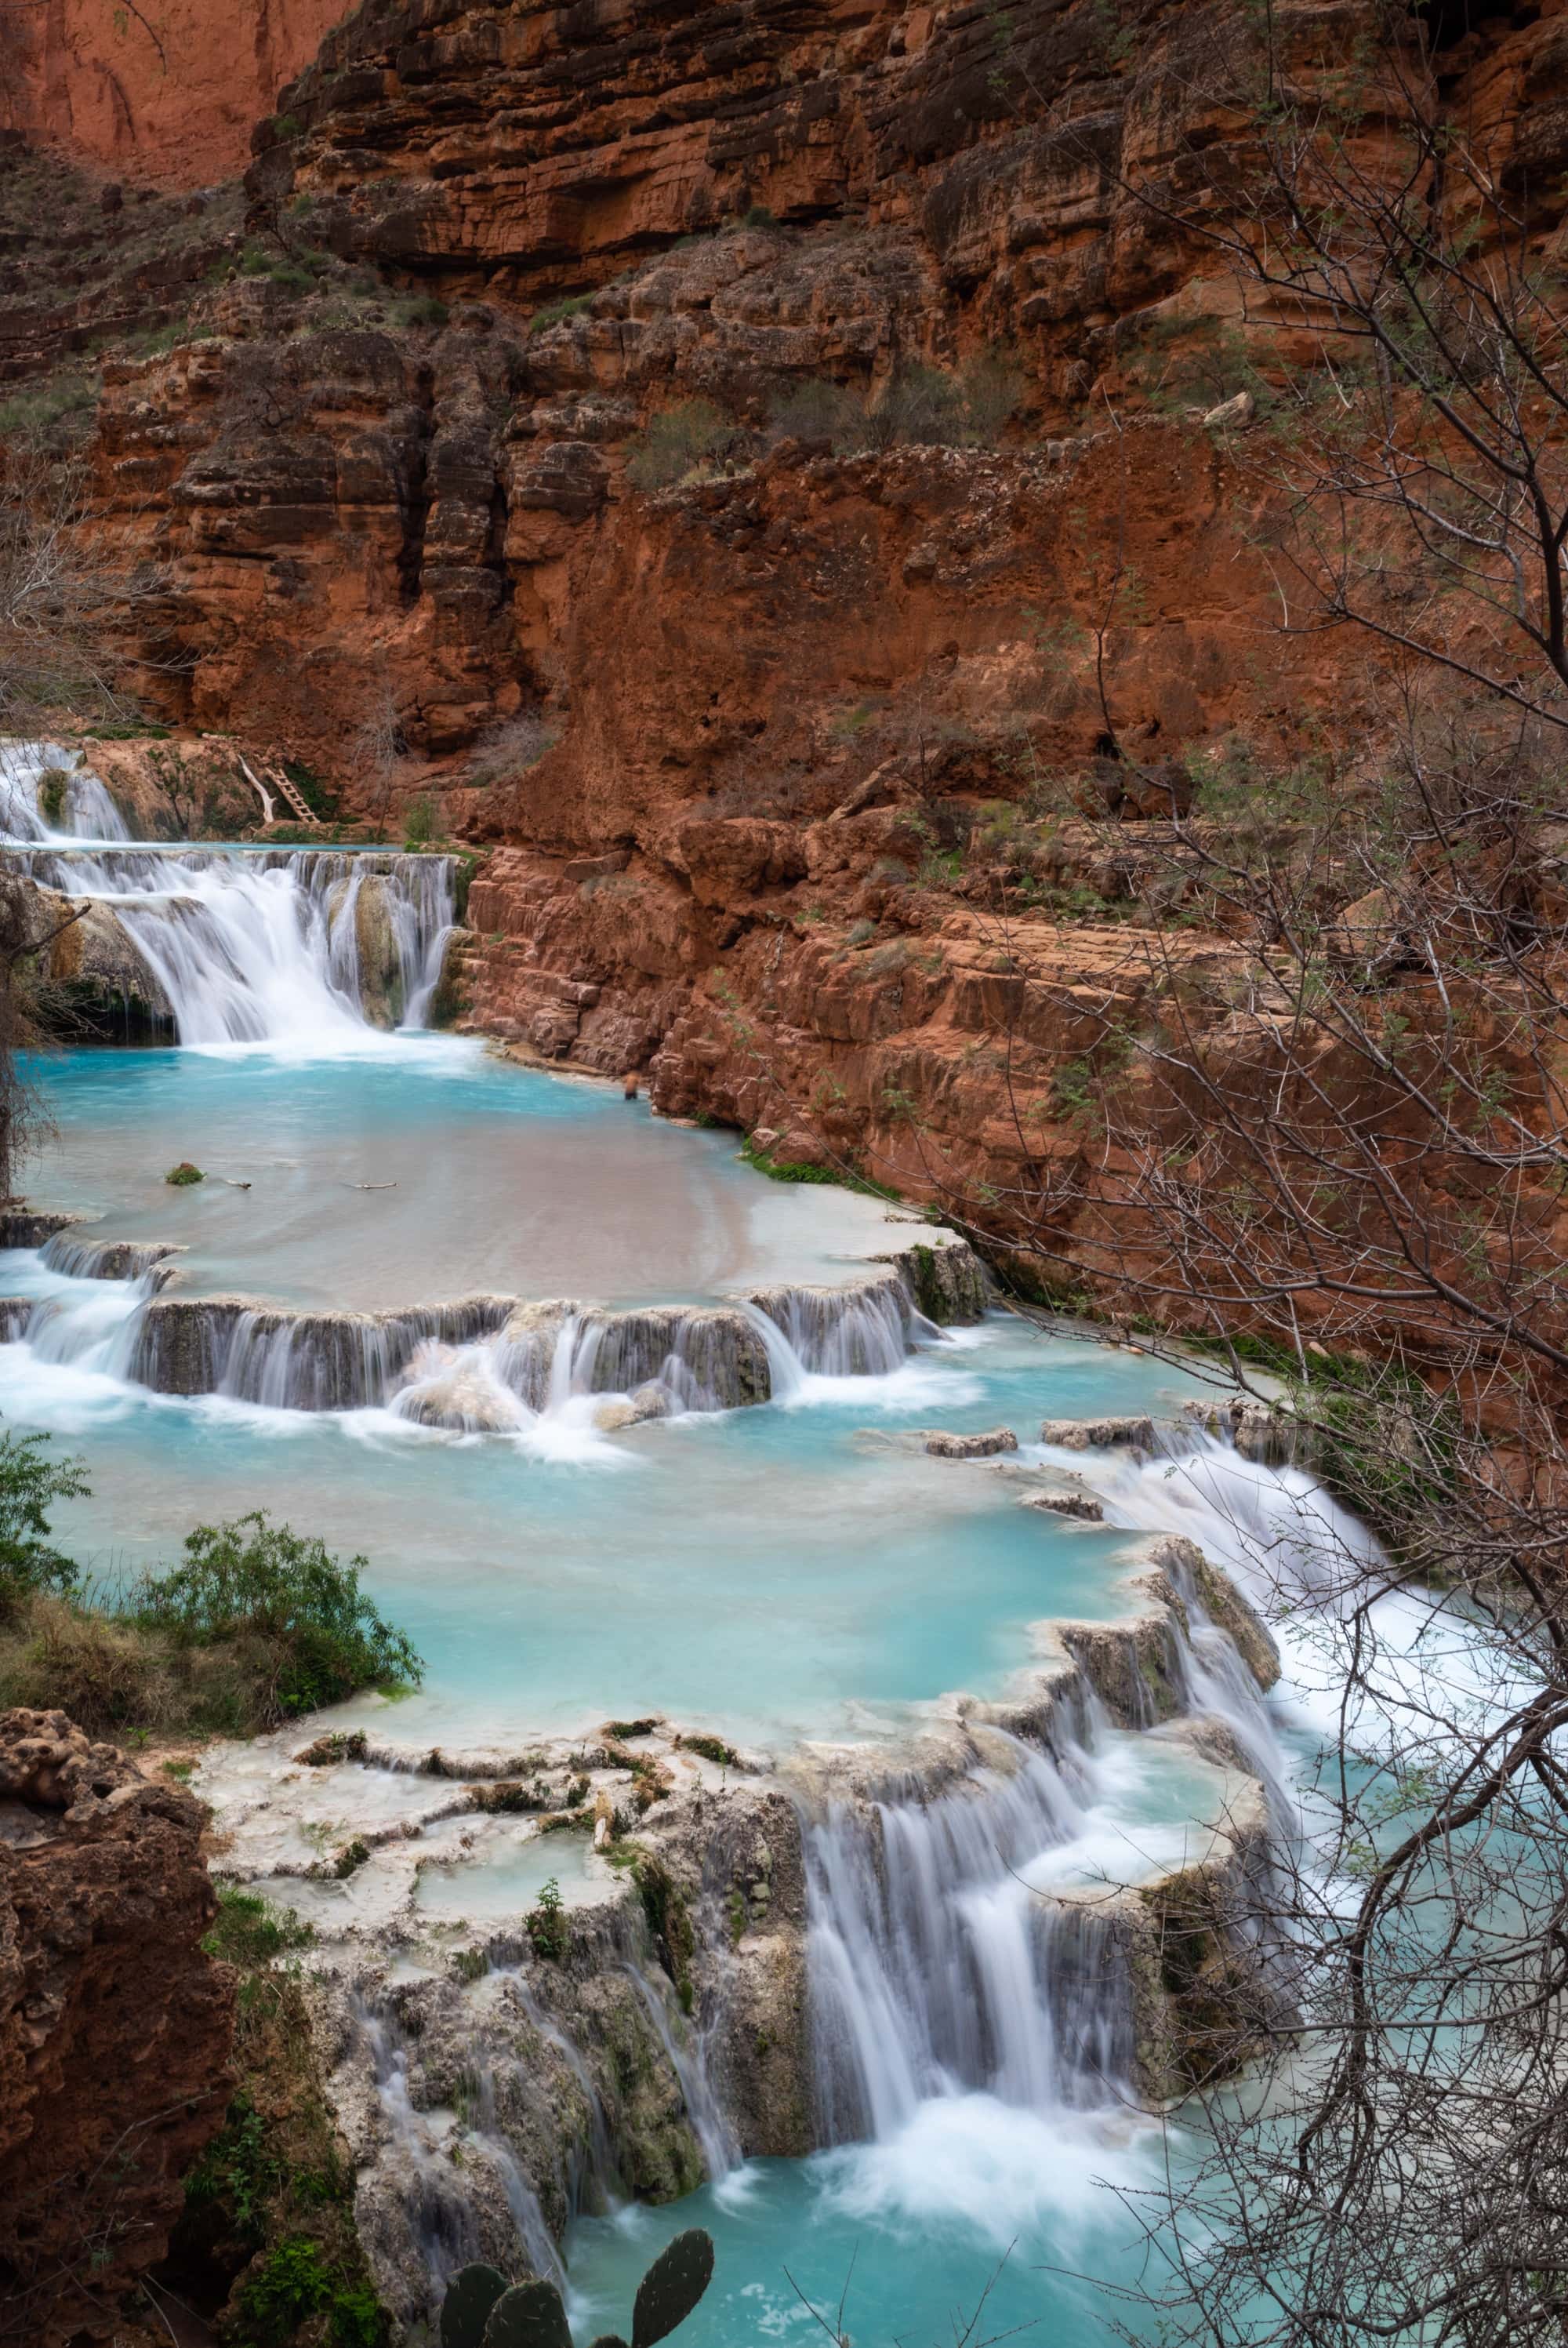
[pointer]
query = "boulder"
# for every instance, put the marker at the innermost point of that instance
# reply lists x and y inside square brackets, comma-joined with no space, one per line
[114,2029]
[377,960]
[616,1411]
[93,964]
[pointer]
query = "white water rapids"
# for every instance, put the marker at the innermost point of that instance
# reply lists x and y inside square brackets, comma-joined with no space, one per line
[248,947]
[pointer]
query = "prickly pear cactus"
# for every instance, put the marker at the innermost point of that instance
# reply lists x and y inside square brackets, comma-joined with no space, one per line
[466,2310]
[671,2287]
[530,2315]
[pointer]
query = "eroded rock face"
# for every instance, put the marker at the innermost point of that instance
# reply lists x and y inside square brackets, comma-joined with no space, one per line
[114,2029]
[169,97]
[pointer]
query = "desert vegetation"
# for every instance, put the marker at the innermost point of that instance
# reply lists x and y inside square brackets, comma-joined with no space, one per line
[255,1624]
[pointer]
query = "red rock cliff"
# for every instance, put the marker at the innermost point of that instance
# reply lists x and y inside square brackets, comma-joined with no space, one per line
[113,2028]
[168,94]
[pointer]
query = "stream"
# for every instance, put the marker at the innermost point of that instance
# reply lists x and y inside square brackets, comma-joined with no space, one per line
[623,1430]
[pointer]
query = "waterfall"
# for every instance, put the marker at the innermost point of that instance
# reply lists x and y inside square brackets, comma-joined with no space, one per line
[246,947]
[79,1258]
[291,1360]
[936,1969]
[473,1363]
[863,1331]
[710,2123]
[88,810]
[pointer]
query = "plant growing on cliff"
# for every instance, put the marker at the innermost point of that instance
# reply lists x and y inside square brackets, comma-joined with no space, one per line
[545,1923]
[251,1581]
[267,2241]
[676,440]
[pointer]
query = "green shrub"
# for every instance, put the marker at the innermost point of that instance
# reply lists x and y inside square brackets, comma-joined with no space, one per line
[250,1932]
[930,408]
[30,1484]
[545,1923]
[251,1579]
[676,440]
[425,310]
[565,305]
[419,824]
[183,1175]
[52,785]
[269,2207]
[816,410]
[295,2282]
[758,216]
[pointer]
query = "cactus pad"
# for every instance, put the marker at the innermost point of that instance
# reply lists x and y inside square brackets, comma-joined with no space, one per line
[671,2287]
[530,2315]
[464,2311]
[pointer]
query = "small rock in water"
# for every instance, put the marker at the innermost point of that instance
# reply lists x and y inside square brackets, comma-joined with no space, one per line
[1067,1503]
[184,1174]
[972,1447]
[650,1401]
[1099,1433]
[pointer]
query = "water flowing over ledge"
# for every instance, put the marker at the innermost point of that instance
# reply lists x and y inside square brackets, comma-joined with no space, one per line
[225,947]
[483,1364]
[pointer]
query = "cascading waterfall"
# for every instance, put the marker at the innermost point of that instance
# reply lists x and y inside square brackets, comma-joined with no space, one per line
[476,1364]
[245,947]
[836,1332]
[86,809]
[936,1969]
[710,2123]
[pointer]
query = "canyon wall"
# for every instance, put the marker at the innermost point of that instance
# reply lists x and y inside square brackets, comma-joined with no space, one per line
[166,95]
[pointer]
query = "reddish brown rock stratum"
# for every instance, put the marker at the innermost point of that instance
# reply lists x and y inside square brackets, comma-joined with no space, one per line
[115,2028]
[167,94]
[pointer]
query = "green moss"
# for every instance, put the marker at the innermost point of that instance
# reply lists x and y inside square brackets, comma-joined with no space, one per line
[250,1933]
[784,1169]
[670,1921]
[566,306]
[183,1175]
[712,1748]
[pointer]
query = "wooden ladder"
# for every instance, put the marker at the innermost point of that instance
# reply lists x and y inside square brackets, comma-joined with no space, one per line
[291,794]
